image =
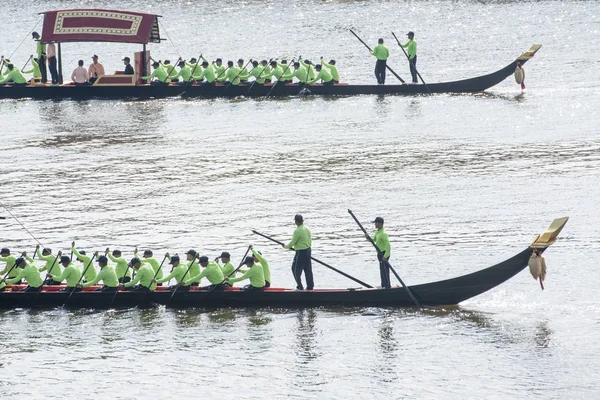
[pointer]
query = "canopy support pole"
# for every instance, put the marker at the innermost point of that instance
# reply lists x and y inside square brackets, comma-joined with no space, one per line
[60,74]
[144,72]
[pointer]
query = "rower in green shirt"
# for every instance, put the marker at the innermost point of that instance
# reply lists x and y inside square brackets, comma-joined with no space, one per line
[208,74]
[144,275]
[411,47]
[301,242]
[192,265]
[381,53]
[258,71]
[309,67]
[27,272]
[258,257]
[162,78]
[89,272]
[10,267]
[178,271]
[298,73]
[382,241]
[244,75]
[52,264]
[14,75]
[149,258]
[184,72]
[323,75]
[285,69]
[275,71]
[219,69]
[170,70]
[35,69]
[228,269]
[123,271]
[195,68]
[71,274]
[254,273]
[332,70]
[232,74]
[212,271]
[106,274]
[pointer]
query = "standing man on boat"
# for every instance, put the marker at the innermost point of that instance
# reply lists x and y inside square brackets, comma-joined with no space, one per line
[381,53]
[382,241]
[40,50]
[95,70]
[411,47]
[51,54]
[301,242]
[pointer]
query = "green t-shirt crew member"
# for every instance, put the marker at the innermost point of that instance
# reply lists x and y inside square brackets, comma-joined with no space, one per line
[381,53]
[301,243]
[254,274]
[28,272]
[411,47]
[383,242]
[107,275]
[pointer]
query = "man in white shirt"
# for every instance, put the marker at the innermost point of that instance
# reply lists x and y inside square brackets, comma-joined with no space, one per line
[80,75]
[95,70]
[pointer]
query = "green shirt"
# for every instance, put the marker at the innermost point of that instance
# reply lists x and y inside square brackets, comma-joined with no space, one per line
[107,275]
[219,72]
[258,73]
[159,73]
[333,70]
[40,48]
[14,76]
[208,73]
[30,274]
[255,274]
[244,75]
[233,75]
[412,48]
[170,70]
[212,272]
[185,73]
[52,265]
[300,239]
[155,265]
[274,72]
[228,270]
[143,275]
[323,75]
[310,68]
[300,74]
[382,241]
[71,273]
[264,264]
[285,72]
[193,271]
[10,261]
[177,273]
[381,52]
[122,266]
[90,272]
[35,69]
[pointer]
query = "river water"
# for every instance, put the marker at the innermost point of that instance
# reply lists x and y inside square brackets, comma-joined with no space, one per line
[463,181]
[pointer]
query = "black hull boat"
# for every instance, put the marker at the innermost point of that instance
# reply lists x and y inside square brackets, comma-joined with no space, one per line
[112,90]
[445,292]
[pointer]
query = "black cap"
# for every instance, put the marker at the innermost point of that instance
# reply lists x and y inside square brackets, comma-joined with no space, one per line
[19,261]
[65,259]
[148,252]
[116,252]
[203,259]
[296,64]
[102,259]
[181,63]
[34,34]
[192,252]
[273,63]
[82,252]
[249,260]
[298,218]
[167,62]
[174,259]
[378,219]
[155,64]
[134,261]
[193,60]
[225,254]
[219,60]
[240,60]
[4,250]
[411,33]
[318,66]
[230,63]
[47,250]
[205,63]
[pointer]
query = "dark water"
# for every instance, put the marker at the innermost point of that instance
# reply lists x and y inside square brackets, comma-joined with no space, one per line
[463,181]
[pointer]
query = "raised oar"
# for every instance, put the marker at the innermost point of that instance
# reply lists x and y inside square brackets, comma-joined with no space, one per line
[319,261]
[154,278]
[413,298]
[183,277]
[387,66]
[81,277]
[282,74]
[233,272]
[230,82]
[259,75]
[411,62]
[29,59]
[124,275]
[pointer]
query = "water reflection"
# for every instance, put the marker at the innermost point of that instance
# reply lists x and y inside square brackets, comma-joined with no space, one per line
[306,349]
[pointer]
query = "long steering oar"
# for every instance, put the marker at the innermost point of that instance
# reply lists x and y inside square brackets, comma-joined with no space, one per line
[413,298]
[411,62]
[387,66]
[319,261]
[183,278]
[233,272]
[153,278]
[81,277]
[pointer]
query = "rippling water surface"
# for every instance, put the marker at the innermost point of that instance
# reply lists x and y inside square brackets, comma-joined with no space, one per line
[463,181]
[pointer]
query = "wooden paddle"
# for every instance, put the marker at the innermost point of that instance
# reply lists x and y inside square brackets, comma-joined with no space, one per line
[413,298]
[154,278]
[29,59]
[411,62]
[82,275]
[387,66]
[183,277]
[319,261]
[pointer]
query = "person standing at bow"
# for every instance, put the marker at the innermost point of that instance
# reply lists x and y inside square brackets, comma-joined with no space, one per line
[411,47]
[301,242]
[381,53]
[382,241]
[40,51]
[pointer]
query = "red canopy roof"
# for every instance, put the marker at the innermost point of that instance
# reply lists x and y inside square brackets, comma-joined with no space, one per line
[93,25]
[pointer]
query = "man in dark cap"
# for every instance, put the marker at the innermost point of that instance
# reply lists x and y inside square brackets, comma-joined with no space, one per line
[149,258]
[254,273]
[52,264]
[207,74]
[123,271]
[259,258]
[211,271]
[9,268]
[244,75]
[228,268]
[381,53]
[411,47]
[178,271]
[162,78]
[89,272]
[71,273]
[128,67]
[144,275]
[107,275]
[301,243]
[29,273]
[193,266]
[383,243]
[40,51]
